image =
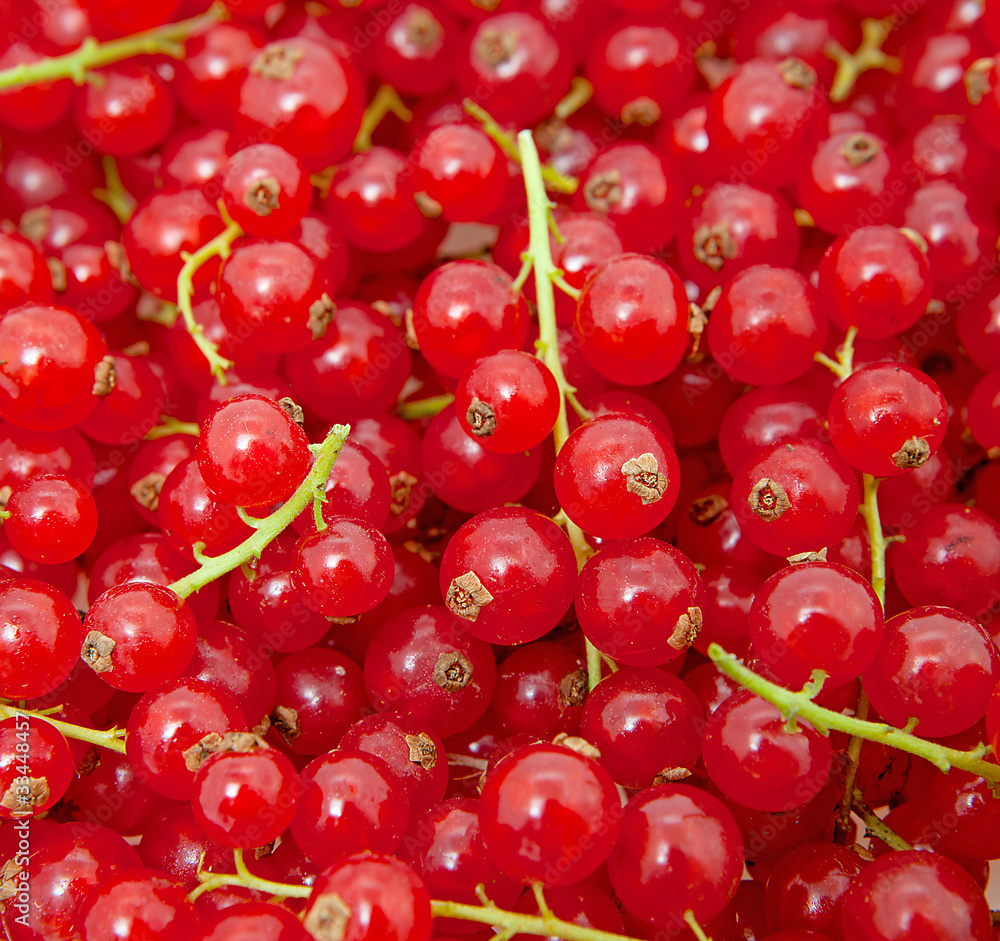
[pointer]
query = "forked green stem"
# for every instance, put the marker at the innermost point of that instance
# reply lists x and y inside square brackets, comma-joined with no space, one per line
[843,365]
[243,877]
[268,528]
[219,247]
[113,739]
[551,178]
[800,704]
[163,40]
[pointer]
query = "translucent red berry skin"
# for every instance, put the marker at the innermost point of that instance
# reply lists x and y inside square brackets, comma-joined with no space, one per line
[679,849]
[463,474]
[24,276]
[163,225]
[304,94]
[879,415]
[638,601]
[766,326]
[412,749]
[319,694]
[345,569]
[632,318]
[49,355]
[983,411]
[36,775]
[908,888]
[274,294]
[153,632]
[251,453]
[351,801]
[951,557]
[815,616]
[258,920]
[820,490]
[385,899]
[848,180]
[336,378]
[131,111]
[523,561]
[190,513]
[763,416]
[638,70]
[730,227]
[169,721]
[425,662]
[806,888]
[522,395]
[137,903]
[641,193]
[513,60]
[371,201]
[416,53]
[460,169]
[40,638]
[53,519]
[245,799]
[540,690]
[607,484]
[764,115]
[548,814]
[266,190]
[465,310]
[444,847]
[750,756]
[875,279]
[643,722]
[936,665]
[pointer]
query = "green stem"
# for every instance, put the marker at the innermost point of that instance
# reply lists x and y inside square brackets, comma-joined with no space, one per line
[113,194]
[93,54]
[385,101]
[843,365]
[220,247]
[800,704]
[243,877]
[546,925]
[267,529]
[424,408]
[551,178]
[876,827]
[876,538]
[540,254]
[172,426]
[113,739]
[696,929]
[869,55]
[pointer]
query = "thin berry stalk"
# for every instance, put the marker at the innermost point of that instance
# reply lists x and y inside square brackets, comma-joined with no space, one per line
[75,65]
[540,255]
[113,739]
[220,246]
[800,704]
[267,529]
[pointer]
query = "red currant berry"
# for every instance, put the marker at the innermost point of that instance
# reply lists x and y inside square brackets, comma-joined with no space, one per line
[549,815]
[52,519]
[343,570]
[797,496]
[138,635]
[265,190]
[509,573]
[616,477]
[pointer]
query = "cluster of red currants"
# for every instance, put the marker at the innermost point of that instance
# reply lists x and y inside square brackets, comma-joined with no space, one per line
[632,337]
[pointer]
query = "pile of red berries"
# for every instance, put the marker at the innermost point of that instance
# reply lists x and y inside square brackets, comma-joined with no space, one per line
[520,466]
